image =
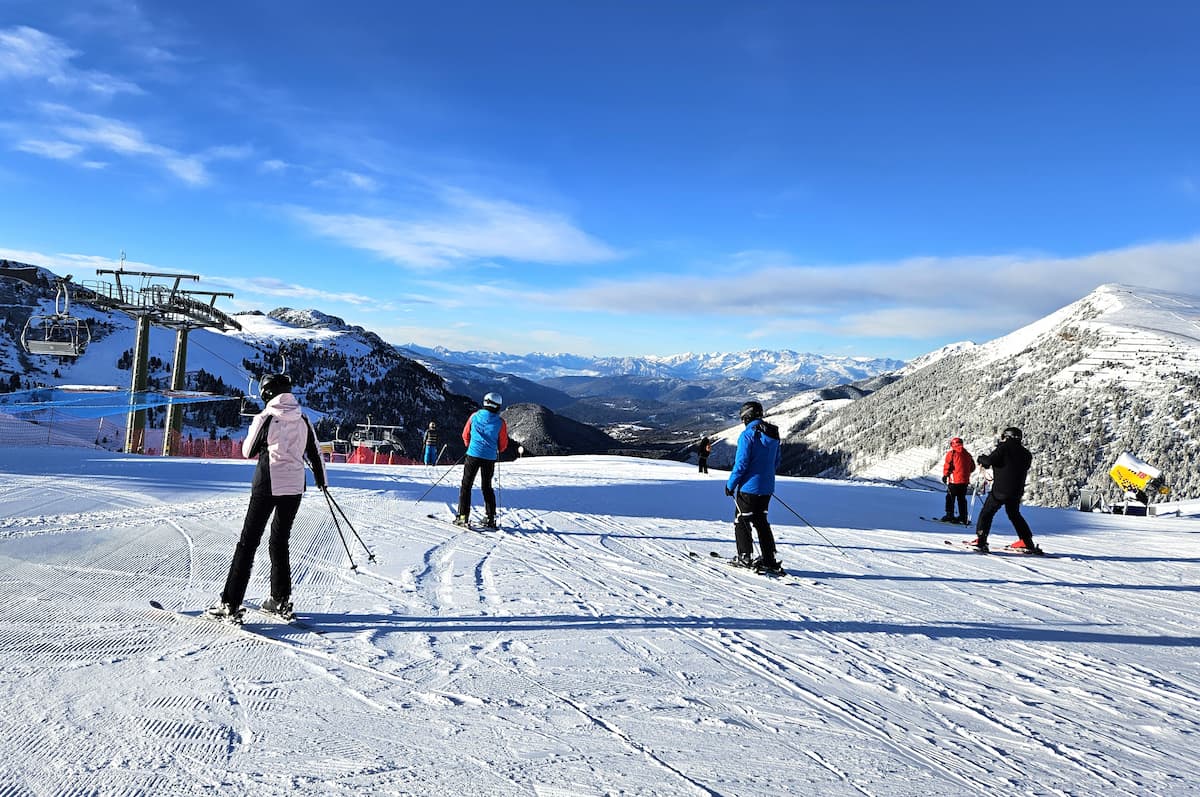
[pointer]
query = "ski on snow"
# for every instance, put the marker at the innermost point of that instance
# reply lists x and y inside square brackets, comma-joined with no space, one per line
[945,522]
[970,546]
[728,562]
[468,527]
[271,617]
[262,632]
[293,621]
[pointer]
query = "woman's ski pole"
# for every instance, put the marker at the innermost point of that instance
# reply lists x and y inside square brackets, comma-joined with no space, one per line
[335,510]
[338,526]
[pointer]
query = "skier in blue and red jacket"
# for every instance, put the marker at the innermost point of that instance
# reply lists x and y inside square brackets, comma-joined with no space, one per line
[485,435]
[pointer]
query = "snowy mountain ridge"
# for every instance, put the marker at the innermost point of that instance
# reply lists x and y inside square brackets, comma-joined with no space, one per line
[1118,370]
[776,366]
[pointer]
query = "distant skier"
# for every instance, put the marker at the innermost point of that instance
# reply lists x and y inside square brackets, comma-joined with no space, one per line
[282,438]
[485,435]
[956,475]
[431,444]
[752,483]
[704,448]
[1010,463]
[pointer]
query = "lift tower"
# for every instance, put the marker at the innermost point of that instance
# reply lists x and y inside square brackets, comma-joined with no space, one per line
[157,300]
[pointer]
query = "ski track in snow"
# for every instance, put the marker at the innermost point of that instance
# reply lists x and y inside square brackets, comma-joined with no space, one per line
[580,649]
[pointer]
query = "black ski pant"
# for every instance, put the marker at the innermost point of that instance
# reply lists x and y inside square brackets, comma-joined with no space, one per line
[752,510]
[957,492]
[262,505]
[1012,507]
[704,464]
[485,468]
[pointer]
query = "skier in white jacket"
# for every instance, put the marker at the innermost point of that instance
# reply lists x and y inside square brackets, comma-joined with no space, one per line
[282,438]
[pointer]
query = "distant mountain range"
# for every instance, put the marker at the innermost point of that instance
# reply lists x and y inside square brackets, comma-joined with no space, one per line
[650,401]
[760,365]
[1118,370]
[351,376]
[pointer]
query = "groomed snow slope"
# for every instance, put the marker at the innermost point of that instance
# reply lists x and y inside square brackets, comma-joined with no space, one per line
[580,651]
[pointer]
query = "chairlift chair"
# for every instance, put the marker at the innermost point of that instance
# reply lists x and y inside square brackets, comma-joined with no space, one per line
[59,334]
[249,406]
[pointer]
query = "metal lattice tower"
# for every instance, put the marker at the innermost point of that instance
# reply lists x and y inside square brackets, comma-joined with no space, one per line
[163,304]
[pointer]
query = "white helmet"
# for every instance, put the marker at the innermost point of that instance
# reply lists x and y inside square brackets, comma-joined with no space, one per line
[493,400]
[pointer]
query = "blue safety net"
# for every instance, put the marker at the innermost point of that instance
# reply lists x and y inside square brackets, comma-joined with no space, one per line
[97,402]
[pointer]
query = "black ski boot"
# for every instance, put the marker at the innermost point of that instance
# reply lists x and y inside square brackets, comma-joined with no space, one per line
[280,607]
[742,560]
[770,568]
[224,613]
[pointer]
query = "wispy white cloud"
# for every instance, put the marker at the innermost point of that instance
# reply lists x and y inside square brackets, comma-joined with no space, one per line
[28,54]
[466,228]
[344,178]
[227,152]
[85,130]
[468,336]
[77,264]
[912,298]
[276,288]
[56,150]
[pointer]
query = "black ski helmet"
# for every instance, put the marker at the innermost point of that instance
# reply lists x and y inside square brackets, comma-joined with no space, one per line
[271,386]
[751,411]
[1012,433]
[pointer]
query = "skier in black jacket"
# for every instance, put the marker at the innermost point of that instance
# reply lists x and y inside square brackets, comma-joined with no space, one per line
[1010,463]
[704,448]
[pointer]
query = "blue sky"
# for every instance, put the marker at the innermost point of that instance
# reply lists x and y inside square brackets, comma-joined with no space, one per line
[618,176]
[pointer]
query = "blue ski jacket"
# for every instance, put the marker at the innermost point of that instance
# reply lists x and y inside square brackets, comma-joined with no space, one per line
[485,435]
[758,456]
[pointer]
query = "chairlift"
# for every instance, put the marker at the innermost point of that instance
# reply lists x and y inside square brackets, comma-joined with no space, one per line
[376,436]
[249,406]
[59,333]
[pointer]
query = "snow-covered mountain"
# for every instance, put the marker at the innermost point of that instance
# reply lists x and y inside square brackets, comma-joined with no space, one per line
[351,375]
[472,380]
[1118,370]
[653,401]
[345,375]
[787,367]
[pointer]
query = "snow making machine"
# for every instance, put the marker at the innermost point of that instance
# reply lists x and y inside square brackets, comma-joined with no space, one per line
[1139,482]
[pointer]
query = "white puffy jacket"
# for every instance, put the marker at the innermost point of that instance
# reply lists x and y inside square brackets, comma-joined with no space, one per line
[281,451]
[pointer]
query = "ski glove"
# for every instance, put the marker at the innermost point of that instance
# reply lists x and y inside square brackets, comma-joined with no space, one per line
[728,492]
[945,480]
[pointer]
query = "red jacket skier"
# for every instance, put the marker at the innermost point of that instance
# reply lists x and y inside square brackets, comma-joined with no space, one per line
[956,475]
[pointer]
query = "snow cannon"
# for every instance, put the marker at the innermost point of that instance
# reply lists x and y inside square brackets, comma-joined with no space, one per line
[1138,480]
[1133,475]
